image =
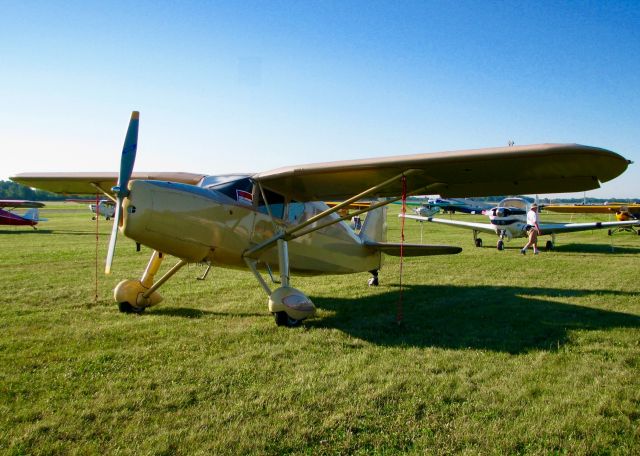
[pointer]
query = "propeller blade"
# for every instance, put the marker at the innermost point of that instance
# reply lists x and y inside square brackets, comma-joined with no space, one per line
[128,157]
[121,189]
[114,237]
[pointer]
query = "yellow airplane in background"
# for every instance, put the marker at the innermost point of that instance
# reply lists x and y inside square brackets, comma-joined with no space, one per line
[624,212]
[276,220]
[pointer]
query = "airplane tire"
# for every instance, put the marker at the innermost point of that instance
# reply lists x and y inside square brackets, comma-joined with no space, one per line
[478,242]
[548,246]
[282,319]
[373,282]
[609,232]
[500,244]
[125,307]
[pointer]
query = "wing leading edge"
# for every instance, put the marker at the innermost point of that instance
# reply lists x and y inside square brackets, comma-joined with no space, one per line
[555,228]
[476,226]
[81,183]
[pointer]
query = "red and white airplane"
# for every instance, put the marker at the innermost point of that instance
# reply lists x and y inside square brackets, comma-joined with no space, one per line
[30,218]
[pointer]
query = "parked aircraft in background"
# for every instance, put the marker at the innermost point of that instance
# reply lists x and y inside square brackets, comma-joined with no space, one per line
[622,211]
[105,208]
[434,205]
[30,218]
[274,221]
[509,219]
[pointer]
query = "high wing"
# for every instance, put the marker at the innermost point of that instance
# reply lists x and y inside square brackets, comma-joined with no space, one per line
[542,168]
[20,203]
[91,183]
[481,227]
[555,228]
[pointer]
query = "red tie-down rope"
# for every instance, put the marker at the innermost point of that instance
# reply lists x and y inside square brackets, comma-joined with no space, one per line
[399,310]
[95,299]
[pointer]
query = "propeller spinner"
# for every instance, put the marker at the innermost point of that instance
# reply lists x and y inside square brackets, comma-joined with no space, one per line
[121,189]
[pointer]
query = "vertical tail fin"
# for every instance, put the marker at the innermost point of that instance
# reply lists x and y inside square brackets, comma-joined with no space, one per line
[32,214]
[374,228]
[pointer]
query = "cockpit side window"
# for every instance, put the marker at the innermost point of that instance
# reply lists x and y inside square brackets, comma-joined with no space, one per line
[276,203]
[295,212]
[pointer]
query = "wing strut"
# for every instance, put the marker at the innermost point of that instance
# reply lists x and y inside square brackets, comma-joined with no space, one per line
[294,232]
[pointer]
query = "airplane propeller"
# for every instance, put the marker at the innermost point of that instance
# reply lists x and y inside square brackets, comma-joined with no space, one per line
[121,189]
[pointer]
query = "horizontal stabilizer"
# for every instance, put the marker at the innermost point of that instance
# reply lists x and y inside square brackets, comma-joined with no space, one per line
[408,250]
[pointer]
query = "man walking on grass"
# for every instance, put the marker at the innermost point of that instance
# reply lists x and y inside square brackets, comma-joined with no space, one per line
[533,230]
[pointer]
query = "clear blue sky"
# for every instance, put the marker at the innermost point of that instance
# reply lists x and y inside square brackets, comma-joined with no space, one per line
[250,86]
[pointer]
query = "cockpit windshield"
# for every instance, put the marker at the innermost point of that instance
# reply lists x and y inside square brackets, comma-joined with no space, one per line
[517,203]
[213,181]
[238,187]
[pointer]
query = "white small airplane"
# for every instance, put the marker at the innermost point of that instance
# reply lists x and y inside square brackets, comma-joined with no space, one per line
[105,208]
[509,219]
[276,220]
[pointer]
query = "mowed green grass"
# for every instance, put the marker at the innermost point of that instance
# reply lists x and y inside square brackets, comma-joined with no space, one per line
[497,353]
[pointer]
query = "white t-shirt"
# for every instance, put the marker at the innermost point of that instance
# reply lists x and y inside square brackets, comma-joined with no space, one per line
[532,217]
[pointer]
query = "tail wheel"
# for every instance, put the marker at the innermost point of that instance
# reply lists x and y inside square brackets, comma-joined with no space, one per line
[478,242]
[282,319]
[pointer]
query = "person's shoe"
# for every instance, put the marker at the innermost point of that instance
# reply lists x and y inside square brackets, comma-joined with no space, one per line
[535,252]
[523,251]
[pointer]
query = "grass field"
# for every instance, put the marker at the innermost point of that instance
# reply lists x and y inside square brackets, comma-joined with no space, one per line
[497,354]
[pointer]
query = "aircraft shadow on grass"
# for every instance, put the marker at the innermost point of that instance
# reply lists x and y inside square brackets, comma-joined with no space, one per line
[505,319]
[24,231]
[41,231]
[596,249]
[185,312]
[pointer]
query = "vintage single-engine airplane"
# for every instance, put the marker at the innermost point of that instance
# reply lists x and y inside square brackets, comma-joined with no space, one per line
[509,219]
[104,207]
[623,212]
[275,220]
[434,205]
[30,218]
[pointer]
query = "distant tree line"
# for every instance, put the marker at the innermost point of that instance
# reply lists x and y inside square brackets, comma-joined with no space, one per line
[12,190]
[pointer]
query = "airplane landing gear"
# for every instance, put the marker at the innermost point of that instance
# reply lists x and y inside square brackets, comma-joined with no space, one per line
[282,319]
[500,245]
[290,306]
[549,246]
[477,241]
[373,281]
[125,307]
[129,294]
